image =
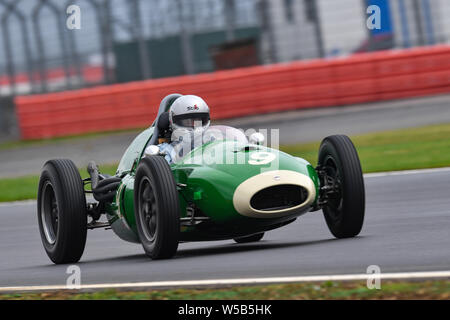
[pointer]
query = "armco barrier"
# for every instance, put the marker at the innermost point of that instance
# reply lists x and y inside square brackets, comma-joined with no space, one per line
[241,92]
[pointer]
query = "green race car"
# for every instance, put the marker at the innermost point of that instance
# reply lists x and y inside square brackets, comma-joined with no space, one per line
[231,187]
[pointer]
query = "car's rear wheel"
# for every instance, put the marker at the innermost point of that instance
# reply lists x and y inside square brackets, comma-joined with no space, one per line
[157,209]
[341,175]
[252,238]
[62,212]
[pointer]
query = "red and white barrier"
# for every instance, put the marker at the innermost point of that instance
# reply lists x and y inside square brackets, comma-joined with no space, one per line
[305,84]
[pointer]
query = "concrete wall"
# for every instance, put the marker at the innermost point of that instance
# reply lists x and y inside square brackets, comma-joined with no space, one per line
[343,25]
[442,11]
[420,22]
[289,35]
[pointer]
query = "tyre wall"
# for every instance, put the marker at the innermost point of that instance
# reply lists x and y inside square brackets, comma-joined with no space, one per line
[360,78]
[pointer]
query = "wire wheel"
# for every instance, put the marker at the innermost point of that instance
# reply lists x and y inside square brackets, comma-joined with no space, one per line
[342,186]
[62,211]
[147,209]
[157,210]
[332,176]
[49,213]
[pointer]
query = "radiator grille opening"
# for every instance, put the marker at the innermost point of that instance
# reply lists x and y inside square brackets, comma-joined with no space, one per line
[279,197]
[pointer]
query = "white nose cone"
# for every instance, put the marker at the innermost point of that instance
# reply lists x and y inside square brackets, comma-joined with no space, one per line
[242,198]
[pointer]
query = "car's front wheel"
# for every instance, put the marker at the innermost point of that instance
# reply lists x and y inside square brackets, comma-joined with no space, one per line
[157,209]
[62,212]
[342,184]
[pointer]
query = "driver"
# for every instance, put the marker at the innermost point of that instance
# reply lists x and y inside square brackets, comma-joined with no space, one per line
[189,118]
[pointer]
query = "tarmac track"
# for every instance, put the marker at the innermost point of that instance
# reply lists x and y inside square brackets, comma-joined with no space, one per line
[406,230]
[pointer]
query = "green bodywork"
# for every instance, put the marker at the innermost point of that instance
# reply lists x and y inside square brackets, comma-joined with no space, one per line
[209,186]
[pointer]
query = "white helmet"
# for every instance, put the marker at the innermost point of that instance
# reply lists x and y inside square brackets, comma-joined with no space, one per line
[189,114]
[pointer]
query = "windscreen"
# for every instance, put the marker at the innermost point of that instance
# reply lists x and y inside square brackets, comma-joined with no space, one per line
[189,142]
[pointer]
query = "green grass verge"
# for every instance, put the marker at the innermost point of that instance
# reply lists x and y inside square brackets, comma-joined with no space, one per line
[24,188]
[299,291]
[416,148]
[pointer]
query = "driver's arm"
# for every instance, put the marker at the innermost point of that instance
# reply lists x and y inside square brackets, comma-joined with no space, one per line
[168,150]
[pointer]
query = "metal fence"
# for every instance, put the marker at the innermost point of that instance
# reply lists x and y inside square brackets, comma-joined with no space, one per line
[124,40]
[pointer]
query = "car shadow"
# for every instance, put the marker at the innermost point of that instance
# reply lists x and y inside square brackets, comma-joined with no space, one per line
[244,247]
[215,250]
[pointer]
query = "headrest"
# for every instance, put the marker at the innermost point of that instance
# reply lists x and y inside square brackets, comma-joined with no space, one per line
[163,122]
[168,101]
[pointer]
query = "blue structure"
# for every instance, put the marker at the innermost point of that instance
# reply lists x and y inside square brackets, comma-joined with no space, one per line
[386,21]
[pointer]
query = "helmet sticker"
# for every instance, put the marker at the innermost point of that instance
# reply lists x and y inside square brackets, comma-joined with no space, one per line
[190,108]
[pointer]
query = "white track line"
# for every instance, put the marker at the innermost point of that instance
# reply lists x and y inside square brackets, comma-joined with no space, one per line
[247,281]
[406,172]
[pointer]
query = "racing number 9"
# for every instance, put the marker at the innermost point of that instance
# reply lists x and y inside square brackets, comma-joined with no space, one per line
[260,158]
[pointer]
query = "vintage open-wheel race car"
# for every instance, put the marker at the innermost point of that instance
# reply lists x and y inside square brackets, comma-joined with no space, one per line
[232,187]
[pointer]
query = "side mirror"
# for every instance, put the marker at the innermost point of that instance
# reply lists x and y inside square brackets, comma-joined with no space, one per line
[151,151]
[257,138]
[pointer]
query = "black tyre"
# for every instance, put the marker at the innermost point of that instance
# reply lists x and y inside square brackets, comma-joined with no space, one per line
[157,210]
[62,212]
[340,166]
[252,238]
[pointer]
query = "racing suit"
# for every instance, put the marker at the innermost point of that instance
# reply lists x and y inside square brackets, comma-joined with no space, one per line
[169,150]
